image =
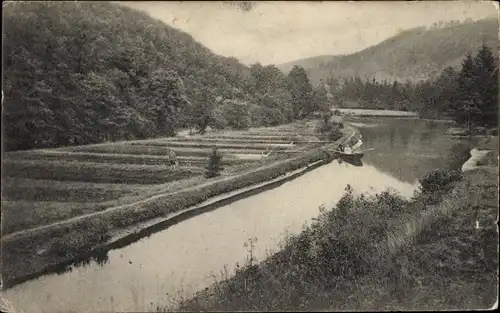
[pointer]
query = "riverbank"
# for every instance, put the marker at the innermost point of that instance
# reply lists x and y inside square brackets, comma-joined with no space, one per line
[381,253]
[373,112]
[475,131]
[29,254]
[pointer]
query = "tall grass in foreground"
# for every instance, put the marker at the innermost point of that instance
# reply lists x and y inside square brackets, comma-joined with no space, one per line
[380,252]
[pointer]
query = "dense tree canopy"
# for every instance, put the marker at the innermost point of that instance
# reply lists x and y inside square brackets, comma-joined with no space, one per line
[301,91]
[87,72]
[470,95]
[477,90]
[418,53]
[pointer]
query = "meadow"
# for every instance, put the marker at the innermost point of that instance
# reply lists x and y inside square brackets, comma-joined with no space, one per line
[59,202]
[68,181]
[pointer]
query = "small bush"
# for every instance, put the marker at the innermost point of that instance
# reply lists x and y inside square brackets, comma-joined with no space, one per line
[218,120]
[492,132]
[439,180]
[214,166]
[330,131]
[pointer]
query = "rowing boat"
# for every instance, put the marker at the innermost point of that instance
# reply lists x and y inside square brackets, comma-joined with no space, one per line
[351,158]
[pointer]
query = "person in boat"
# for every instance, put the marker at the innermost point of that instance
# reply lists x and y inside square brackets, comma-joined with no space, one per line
[345,149]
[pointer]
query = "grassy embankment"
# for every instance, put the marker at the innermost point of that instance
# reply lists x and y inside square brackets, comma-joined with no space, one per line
[382,253]
[55,210]
[373,112]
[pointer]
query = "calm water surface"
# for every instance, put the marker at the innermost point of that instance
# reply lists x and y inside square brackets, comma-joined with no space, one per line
[183,258]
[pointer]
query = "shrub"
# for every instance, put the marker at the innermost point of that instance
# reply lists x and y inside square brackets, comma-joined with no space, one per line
[439,180]
[492,132]
[237,114]
[218,120]
[214,166]
[273,116]
[331,130]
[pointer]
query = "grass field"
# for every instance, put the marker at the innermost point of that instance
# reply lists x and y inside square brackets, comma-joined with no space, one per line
[95,172]
[57,203]
[76,179]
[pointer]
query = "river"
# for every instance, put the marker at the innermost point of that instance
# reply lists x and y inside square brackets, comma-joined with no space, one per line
[183,258]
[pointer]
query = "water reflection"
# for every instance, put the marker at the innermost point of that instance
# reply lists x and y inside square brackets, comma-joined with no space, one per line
[99,257]
[422,147]
[392,135]
[426,135]
[182,259]
[405,138]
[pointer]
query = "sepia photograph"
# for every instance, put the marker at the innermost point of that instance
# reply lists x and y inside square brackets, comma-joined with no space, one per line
[225,156]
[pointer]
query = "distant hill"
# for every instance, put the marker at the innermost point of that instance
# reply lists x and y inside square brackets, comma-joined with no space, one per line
[414,54]
[84,72]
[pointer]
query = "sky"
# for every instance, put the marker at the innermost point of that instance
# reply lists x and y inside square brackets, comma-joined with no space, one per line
[277,32]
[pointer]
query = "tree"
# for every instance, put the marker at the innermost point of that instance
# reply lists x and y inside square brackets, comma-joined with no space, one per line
[330,128]
[466,108]
[214,164]
[321,100]
[69,79]
[237,113]
[217,119]
[199,110]
[477,90]
[447,85]
[301,92]
[486,77]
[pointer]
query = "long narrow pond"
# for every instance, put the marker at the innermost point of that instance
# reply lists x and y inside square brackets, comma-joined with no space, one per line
[185,258]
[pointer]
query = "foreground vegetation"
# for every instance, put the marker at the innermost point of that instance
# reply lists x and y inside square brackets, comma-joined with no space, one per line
[382,252]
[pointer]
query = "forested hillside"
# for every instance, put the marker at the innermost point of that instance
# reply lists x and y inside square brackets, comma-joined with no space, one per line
[469,95]
[414,54]
[87,72]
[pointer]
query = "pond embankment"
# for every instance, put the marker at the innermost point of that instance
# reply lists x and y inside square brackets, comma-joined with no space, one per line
[438,250]
[29,254]
[174,263]
[375,112]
